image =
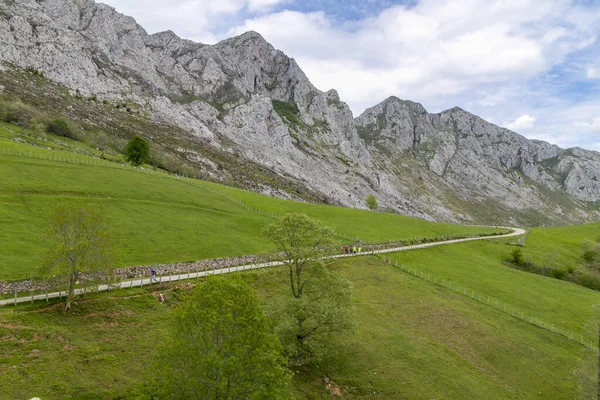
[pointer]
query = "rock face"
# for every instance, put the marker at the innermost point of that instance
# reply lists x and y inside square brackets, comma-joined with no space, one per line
[243,96]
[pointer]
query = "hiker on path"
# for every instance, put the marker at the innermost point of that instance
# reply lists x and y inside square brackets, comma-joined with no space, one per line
[354,249]
[359,249]
[152,274]
[346,249]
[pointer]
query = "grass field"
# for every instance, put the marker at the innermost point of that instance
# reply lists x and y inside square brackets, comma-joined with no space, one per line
[559,247]
[414,340]
[478,266]
[154,217]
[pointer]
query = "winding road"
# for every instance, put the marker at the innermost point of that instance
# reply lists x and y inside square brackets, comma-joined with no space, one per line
[192,275]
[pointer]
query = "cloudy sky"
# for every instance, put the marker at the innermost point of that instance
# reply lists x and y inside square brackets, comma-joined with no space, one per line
[532,66]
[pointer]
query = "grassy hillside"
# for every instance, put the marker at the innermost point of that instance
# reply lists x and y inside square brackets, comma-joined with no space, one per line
[154,217]
[413,340]
[478,267]
[559,246]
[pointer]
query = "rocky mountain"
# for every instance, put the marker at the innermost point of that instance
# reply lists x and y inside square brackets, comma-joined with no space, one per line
[245,102]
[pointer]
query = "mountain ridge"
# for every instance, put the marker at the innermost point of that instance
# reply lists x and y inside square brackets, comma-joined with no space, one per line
[226,95]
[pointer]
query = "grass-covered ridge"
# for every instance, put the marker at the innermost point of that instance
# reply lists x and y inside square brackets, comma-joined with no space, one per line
[154,217]
[413,340]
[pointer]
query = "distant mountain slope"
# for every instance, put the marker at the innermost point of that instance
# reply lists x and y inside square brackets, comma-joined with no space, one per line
[492,170]
[244,98]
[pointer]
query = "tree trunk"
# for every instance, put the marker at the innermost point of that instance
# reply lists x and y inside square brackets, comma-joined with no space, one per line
[292,283]
[71,291]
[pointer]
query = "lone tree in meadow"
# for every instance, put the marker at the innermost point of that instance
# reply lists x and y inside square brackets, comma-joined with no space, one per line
[80,243]
[309,327]
[137,151]
[371,202]
[320,306]
[302,241]
[220,347]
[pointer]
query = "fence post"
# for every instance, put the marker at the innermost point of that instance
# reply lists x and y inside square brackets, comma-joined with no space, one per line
[32,297]
[15,297]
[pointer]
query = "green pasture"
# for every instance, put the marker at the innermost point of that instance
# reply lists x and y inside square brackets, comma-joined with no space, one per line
[477,266]
[559,247]
[413,340]
[154,217]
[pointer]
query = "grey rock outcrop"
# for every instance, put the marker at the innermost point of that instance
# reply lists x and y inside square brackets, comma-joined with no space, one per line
[480,162]
[242,96]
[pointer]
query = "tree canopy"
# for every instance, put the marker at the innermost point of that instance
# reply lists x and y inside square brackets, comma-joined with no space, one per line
[137,151]
[301,240]
[220,347]
[79,243]
[308,326]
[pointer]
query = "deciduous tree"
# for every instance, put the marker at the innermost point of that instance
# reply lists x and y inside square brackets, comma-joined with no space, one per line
[137,151]
[309,326]
[80,243]
[301,240]
[220,347]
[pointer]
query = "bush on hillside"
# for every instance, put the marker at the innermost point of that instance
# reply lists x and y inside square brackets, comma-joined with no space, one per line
[517,257]
[17,113]
[60,127]
[589,281]
[558,273]
[371,202]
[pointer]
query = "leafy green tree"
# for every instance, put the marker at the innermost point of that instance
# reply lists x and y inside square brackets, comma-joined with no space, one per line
[80,244]
[137,151]
[371,202]
[301,240]
[220,347]
[309,326]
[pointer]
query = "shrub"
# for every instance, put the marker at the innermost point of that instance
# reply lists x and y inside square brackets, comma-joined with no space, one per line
[60,127]
[17,113]
[558,273]
[371,202]
[517,257]
[589,281]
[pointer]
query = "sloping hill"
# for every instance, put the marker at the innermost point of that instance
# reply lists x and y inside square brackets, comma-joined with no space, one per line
[155,217]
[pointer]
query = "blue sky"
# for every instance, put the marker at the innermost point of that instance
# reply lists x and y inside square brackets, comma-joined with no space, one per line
[530,65]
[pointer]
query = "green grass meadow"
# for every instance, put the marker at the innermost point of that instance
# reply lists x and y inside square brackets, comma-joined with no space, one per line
[155,218]
[413,340]
[559,247]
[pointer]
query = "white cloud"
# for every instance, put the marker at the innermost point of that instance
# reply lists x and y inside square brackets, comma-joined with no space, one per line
[593,73]
[524,122]
[429,52]
[589,126]
[263,5]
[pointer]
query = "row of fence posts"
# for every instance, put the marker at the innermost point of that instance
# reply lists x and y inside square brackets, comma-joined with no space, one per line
[484,299]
